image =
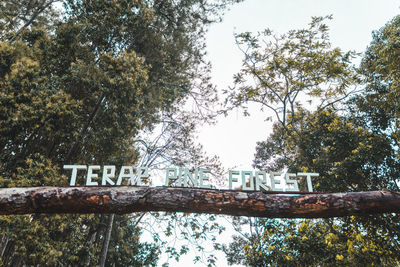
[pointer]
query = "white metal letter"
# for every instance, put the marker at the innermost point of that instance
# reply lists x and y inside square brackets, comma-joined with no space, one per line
[203,178]
[308,175]
[244,182]
[108,173]
[291,181]
[91,175]
[231,178]
[75,169]
[170,175]
[123,174]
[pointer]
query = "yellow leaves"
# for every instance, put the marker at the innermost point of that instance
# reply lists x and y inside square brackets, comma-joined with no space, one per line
[23,71]
[335,125]
[303,227]
[288,258]
[270,248]
[339,257]
[250,93]
[38,170]
[359,237]
[304,169]
[54,253]
[329,238]
[350,247]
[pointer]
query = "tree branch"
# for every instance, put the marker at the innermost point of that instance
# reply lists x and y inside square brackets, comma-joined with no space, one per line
[84,129]
[34,16]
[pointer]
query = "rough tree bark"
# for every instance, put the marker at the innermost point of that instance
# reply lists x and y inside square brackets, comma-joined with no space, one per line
[127,199]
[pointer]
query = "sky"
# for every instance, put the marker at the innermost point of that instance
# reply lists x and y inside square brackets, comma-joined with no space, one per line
[233,138]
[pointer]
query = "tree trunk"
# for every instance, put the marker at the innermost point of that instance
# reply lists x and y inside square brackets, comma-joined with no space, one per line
[106,242]
[127,199]
[3,245]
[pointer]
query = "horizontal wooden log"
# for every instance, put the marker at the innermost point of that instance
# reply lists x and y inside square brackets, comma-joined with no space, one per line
[127,199]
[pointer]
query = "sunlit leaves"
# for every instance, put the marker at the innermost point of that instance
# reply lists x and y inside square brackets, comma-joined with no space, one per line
[281,72]
[354,149]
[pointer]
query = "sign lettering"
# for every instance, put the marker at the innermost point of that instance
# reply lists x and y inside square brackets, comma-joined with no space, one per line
[184,177]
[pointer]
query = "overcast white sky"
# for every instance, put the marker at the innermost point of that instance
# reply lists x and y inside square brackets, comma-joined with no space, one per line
[234,138]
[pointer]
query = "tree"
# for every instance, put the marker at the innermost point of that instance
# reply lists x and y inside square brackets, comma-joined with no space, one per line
[313,243]
[279,71]
[19,15]
[348,157]
[378,107]
[353,148]
[78,87]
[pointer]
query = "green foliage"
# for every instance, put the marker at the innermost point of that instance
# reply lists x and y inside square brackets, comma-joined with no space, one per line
[353,149]
[76,86]
[380,105]
[126,249]
[183,233]
[16,16]
[39,239]
[285,68]
[313,243]
[347,156]
[44,103]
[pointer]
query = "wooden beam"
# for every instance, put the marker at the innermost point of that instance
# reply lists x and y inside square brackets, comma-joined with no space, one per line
[127,199]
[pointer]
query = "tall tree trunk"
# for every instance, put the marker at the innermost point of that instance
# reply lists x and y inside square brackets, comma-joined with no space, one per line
[99,229]
[9,253]
[3,245]
[106,242]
